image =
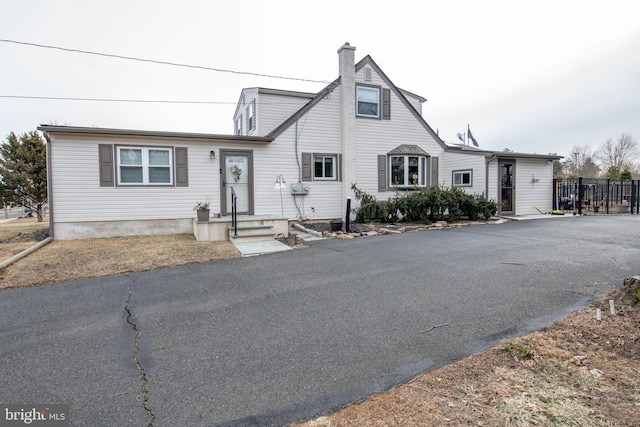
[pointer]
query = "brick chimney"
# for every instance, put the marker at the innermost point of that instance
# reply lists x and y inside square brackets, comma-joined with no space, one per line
[348,119]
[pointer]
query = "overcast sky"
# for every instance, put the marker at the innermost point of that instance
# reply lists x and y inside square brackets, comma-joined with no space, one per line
[533,76]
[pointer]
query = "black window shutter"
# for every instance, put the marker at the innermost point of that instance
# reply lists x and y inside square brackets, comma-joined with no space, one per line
[105,158]
[307,169]
[434,171]
[382,173]
[182,167]
[339,167]
[386,104]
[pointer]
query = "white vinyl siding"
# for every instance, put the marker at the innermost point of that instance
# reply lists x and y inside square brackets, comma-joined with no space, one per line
[78,197]
[320,134]
[378,137]
[529,193]
[475,163]
[275,109]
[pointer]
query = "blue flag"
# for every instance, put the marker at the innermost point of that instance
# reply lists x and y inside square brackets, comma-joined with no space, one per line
[471,137]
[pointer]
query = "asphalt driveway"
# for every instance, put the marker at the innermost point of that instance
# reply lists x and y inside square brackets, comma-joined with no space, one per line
[283,337]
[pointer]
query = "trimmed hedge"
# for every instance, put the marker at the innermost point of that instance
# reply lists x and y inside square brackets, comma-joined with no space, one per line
[424,205]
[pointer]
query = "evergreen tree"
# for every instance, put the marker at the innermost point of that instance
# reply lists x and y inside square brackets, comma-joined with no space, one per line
[23,170]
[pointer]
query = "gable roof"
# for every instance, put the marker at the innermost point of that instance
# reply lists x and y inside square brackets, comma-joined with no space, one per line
[400,93]
[408,149]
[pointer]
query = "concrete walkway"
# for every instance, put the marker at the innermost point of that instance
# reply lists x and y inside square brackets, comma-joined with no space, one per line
[270,246]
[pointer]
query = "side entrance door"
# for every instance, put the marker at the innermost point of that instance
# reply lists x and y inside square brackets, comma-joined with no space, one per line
[236,173]
[507,170]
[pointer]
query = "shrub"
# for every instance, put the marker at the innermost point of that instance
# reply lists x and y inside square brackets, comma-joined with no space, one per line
[424,205]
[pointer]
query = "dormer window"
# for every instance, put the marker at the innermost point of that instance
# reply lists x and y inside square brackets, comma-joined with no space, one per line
[251,116]
[239,125]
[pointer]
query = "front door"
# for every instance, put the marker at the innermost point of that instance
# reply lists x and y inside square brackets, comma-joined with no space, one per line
[507,186]
[237,173]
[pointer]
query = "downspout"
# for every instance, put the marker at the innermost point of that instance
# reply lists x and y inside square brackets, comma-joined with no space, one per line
[49,184]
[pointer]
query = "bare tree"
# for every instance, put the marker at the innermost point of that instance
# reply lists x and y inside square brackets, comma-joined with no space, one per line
[580,162]
[619,153]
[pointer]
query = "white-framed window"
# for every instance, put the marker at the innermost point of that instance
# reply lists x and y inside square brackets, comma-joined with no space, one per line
[407,171]
[239,125]
[145,166]
[463,178]
[324,167]
[251,118]
[368,101]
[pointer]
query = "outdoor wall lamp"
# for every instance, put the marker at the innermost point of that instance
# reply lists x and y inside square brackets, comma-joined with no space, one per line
[212,155]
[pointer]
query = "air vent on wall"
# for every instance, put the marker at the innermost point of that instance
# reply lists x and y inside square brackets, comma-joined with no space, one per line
[367,74]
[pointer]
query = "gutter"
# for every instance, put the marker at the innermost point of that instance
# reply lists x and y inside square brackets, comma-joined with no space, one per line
[25,252]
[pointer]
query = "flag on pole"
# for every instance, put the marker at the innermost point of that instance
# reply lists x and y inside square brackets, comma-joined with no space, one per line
[460,137]
[471,137]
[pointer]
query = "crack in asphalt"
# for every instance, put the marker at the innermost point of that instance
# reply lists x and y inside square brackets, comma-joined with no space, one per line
[136,361]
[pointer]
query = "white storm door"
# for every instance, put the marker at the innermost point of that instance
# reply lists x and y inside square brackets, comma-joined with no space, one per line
[237,174]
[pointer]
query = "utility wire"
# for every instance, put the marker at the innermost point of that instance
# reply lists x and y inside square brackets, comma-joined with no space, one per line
[61,98]
[153,61]
[149,101]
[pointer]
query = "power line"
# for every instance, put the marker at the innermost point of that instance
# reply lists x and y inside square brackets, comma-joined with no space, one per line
[62,98]
[153,61]
[148,101]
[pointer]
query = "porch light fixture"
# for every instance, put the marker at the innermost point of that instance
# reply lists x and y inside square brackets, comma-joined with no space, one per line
[212,155]
[279,185]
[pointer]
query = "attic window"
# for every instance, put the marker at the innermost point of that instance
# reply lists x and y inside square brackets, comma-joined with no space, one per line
[368,101]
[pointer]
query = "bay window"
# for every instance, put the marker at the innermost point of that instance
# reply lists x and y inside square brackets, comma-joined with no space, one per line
[407,171]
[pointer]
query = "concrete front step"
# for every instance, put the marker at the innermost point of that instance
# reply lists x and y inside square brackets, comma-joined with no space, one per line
[217,229]
[251,233]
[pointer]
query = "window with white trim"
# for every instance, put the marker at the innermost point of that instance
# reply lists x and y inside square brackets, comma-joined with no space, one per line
[407,171]
[251,119]
[367,101]
[239,125]
[145,166]
[324,167]
[463,178]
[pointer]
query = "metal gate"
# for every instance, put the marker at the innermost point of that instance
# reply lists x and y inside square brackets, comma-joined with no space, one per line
[596,196]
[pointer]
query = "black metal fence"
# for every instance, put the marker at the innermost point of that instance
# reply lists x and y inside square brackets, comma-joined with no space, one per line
[597,196]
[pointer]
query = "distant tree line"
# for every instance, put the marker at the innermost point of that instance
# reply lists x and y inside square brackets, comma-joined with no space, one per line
[613,159]
[23,172]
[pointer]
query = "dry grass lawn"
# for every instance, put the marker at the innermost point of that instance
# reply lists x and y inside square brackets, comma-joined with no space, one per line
[577,372]
[63,260]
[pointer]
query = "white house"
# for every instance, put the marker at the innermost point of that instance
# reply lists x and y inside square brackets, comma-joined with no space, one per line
[359,129]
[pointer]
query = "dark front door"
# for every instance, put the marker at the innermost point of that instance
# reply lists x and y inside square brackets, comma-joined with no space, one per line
[507,186]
